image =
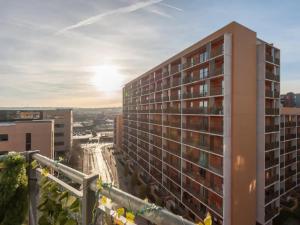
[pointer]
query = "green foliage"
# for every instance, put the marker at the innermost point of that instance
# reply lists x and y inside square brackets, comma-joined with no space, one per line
[56,206]
[13,190]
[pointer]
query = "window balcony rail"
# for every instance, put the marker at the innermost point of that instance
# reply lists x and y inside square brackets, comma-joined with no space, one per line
[290,124]
[172,123]
[217,51]
[289,173]
[289,185]
[272,128]
[175,82]
[175,97]
[175,69]
[166,85]
[217,129]
[272,94]
[188,95]
[196,143]
[195,126]
[272,59]
[171,110]
[271,76]
[272,179]
[158,87]
[270,213]
[290,136]
[216,91]
[216,110]
[194,110]
[290,161]
[273,145]
[173,149]
[216,72]
[272,111]
[158,99]
[271,162]
[271,196]
[290,148]
[175,137]
[166,73]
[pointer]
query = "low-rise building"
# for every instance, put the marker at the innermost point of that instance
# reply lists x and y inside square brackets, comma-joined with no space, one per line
[20,136]
[63,124]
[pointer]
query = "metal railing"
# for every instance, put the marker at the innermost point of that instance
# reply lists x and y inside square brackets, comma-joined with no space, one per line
[87,195]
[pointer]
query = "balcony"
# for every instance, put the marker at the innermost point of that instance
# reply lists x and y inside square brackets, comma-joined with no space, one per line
[195,126]
[272,94]
[290,124]
[271,76]
[271,161]
[273,145]
[172,123]
[272,180]
[195,142]
[272,59]
[172,110]
[79,206]
[270,213]
[216,51]
[272,128]
[216,91]
[194,110]
[271,196]
[290,136]
[272,111]
[187,95]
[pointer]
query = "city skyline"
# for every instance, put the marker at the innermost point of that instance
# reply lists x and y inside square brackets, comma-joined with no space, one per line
[56,57]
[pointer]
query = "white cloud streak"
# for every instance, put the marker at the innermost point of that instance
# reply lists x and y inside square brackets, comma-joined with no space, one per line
[171,6]
[122,10]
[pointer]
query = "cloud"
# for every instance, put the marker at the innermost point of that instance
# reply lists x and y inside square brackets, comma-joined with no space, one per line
[122,10]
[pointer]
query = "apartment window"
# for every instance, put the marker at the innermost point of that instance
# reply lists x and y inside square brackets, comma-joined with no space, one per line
[28,141]
[59,125]
[203,57]
[59,143]
[3,137]
[59,134]
[203,73]
[203,89]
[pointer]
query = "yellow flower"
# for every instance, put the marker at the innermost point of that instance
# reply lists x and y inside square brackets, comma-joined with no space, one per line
[120,211]
[208,220]
[130,217]
[103,200]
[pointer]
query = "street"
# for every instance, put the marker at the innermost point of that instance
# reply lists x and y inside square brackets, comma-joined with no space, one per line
[94,162]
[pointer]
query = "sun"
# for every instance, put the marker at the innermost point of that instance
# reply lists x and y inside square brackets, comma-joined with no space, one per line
[107,78]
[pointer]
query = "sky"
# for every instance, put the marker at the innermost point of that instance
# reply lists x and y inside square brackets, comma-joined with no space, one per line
[79,53]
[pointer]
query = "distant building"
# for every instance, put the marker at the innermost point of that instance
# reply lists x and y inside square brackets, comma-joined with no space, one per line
[118,132]
[288,100]
[20,136]
[63,120]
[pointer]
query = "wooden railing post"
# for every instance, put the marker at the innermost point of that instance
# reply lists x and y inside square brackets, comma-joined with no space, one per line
[88,199]
[33,189]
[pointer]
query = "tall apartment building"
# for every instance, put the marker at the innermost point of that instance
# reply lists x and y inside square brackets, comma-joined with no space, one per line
[20,136]
[118,132]
[205,126]
[268,133]
[289,151]
[63,124]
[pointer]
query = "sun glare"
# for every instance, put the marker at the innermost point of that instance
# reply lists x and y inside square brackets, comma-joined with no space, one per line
[107,78]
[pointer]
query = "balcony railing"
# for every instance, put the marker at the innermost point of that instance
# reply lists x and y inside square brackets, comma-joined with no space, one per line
[273,145]
[272,111]
[88,196]
[272,128]
[271,196]
[272,94]
[271,76]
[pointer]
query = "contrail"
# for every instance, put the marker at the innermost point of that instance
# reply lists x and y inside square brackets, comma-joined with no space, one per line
[171,6]
[122,10]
